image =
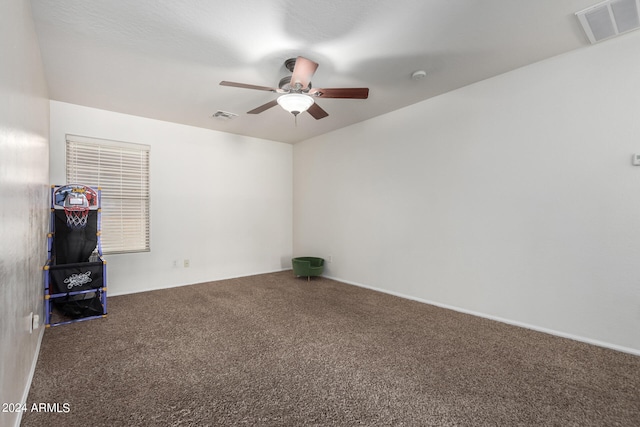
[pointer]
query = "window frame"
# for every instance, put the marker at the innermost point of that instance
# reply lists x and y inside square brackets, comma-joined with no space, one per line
[122,172]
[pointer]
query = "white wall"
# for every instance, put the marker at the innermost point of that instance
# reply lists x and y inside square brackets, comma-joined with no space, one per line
[24,128]
[220,200]
[513,198]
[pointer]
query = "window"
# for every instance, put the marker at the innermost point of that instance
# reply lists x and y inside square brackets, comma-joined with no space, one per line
[121,171]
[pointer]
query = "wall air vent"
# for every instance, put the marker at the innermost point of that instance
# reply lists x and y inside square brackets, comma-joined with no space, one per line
[610,18]
[224,115]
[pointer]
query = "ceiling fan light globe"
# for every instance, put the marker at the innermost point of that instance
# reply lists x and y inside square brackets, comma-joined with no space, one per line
[295,103]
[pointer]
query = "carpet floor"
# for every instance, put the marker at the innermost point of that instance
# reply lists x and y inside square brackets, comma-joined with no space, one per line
[275,350]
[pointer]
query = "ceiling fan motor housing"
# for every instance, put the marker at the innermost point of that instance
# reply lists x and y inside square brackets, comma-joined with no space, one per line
[285,85]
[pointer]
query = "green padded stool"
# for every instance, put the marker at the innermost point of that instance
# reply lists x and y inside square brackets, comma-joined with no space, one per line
[307,266]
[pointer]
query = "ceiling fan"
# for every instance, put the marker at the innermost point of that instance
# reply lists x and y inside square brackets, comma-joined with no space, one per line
[297,93]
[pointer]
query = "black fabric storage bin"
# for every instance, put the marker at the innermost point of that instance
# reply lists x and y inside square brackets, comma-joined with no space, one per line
[76,277]
[81,305]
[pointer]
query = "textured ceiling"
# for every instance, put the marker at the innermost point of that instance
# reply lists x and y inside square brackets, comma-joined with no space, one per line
[164,59]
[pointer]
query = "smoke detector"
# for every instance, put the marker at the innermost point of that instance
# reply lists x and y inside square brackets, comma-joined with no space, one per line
[418,75]
[609,18]
[224,115]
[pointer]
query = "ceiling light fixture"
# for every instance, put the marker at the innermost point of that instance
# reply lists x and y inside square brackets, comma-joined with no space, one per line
[295,103]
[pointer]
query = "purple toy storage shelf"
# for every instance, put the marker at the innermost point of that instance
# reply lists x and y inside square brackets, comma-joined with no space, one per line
[75,283]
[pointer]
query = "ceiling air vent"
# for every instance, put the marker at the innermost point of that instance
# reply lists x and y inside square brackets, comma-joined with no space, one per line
[224,115]
[610,18]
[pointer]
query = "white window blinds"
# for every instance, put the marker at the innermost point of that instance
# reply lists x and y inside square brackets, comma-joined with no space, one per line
[121,170]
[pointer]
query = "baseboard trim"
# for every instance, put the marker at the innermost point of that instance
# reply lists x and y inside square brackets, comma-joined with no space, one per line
[586,340]
[32,371]
[177,285]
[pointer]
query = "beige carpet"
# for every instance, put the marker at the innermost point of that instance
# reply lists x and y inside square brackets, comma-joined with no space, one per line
[274,350]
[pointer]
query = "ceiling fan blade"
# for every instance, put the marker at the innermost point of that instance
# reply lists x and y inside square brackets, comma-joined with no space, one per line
[246,86]
[263,107]
[302,72]
[346,92]
[317,112]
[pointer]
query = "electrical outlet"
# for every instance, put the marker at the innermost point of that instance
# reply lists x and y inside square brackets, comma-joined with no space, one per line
[176,264]
[186,263]
[36,321]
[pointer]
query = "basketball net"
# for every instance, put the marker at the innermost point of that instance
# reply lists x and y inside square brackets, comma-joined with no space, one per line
[76,217]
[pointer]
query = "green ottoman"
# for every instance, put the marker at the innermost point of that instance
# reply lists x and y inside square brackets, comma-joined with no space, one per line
[307,266]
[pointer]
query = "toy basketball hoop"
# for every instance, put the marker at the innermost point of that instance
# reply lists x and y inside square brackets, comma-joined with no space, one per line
[76,217]
[77,201]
